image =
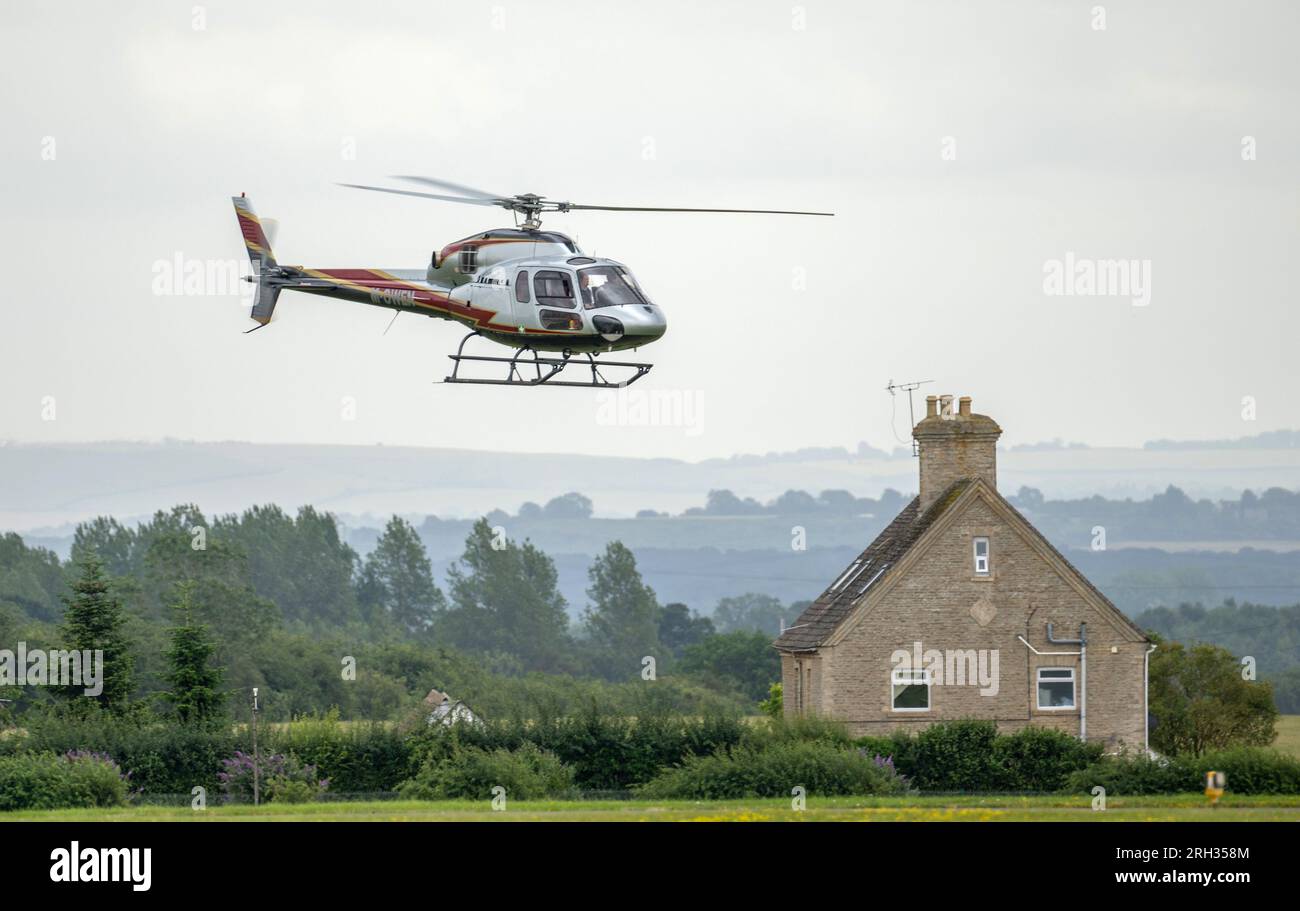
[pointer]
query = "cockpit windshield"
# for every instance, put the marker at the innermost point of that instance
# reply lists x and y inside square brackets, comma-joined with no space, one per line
[609,286]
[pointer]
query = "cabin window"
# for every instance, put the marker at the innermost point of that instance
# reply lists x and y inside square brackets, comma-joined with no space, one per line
[521,288]
[553,289]
[558,319]
[1056,687]
[609,286]
[468,261]
[981,556]
[911,690]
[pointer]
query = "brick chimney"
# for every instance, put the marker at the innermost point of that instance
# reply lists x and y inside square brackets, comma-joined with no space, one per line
[954,445]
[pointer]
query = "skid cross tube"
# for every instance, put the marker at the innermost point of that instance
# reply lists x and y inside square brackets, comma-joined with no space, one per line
[545,369]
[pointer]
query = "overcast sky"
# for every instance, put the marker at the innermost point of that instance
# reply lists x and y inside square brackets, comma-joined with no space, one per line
[964,147]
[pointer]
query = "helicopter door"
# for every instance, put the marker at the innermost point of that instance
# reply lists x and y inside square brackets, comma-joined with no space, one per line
[525,314]
[555,301]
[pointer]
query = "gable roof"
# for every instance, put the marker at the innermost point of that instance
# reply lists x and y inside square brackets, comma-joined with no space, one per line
[833,606]
[825,615]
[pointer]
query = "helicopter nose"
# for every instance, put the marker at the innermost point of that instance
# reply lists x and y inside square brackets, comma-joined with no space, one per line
[645,320]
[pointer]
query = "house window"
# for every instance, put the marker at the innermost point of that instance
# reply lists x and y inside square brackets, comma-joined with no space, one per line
[981,556]
[1056,688]
[911,690]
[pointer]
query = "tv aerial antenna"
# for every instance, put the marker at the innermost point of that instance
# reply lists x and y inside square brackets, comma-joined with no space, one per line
[893,389]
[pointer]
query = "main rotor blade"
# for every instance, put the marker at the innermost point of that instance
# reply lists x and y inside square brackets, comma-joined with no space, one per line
[565,206]
[472,202]
[454,187]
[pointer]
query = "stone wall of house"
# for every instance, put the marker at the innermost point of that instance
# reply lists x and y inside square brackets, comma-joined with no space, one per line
[940,602]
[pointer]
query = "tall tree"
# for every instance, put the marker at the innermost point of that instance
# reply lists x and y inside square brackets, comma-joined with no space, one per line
[743,660]
[505,597]
[752,611]
[111,541]
[680,627]
[397,578]
[302,563]
[194,680]
[1200,701]
[181,546]
[623,617]
[30,578]
[94,622]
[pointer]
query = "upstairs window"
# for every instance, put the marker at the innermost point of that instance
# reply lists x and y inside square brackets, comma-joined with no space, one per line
[1056,688]
[981,556]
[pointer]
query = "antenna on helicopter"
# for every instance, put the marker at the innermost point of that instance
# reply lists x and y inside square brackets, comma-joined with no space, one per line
[894,388]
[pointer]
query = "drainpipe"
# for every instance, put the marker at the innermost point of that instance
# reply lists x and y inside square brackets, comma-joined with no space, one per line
[1082,642]
[1146,700]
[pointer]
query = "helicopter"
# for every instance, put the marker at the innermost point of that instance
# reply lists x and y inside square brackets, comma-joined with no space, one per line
[529,289]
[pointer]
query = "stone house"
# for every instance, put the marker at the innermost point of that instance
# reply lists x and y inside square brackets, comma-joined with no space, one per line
[962,609]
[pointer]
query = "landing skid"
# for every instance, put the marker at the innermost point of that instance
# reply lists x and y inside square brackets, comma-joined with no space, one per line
[544,369]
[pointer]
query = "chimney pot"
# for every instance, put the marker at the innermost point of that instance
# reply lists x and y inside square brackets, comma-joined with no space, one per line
[954,447]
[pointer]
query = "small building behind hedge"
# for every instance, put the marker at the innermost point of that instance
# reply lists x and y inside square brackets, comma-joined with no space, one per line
[960,608]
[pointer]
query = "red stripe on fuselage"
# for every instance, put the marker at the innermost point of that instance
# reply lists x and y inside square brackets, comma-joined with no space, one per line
[435,300]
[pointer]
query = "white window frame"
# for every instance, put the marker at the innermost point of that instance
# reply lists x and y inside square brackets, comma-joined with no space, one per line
[1074,689]
[909,677]
[987,556]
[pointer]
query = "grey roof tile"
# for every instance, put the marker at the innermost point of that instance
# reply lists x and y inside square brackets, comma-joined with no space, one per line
[823,616]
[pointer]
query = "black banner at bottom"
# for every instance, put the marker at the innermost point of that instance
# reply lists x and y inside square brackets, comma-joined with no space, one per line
[337,860]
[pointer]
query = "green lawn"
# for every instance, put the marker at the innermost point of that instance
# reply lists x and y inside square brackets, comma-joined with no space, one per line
[1187,807]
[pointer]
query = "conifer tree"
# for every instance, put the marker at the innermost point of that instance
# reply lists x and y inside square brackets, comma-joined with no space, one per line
[94,622]
[194,680]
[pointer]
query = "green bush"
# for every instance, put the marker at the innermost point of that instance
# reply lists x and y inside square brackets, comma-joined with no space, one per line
[527,773]
[47,781]
[356,758]
[1249,770]
[1132,775]
[279,777]
[822,769]
[799,729]
[606,752]
[1039,759]
[159,757]
[955,756]
[973,756]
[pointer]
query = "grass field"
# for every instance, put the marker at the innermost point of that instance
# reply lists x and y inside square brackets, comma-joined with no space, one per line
[1186,807]
[1288,734]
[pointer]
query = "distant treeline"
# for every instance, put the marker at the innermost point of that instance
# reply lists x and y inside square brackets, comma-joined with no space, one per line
[1271,514]
[1169,516]
[1269,636]
[1273,439]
